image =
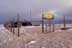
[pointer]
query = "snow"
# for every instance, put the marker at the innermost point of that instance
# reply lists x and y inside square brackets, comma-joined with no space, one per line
[58,30]
[69,29]
[30,26]
[57,39]
[5,35]
[31,42]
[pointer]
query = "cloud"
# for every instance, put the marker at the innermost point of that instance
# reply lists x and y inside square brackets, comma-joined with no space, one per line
[11,7]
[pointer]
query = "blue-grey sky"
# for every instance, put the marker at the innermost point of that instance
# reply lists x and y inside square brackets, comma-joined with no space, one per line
[10,8]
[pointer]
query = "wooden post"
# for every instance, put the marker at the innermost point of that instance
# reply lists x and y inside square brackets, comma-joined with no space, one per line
[53,27]
[46,28]
[18,25]
[11,25]
[42,23]
[13,29]
[49,25]
[64,22]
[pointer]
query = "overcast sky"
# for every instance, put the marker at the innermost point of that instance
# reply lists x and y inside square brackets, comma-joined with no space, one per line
[10,8]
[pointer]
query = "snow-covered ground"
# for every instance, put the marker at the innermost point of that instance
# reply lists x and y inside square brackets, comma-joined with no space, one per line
[32,37]
[5,35]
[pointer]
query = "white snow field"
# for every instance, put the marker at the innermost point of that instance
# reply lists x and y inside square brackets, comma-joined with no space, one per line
[31,37]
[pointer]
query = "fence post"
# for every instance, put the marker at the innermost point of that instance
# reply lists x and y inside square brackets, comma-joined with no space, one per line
[42,23]
[53,27]
[18,25]
[64,18]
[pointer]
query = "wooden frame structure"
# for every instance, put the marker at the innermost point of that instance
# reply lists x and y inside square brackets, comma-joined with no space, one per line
[50,26]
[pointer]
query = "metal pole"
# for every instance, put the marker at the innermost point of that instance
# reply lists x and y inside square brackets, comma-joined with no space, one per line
[30,16]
